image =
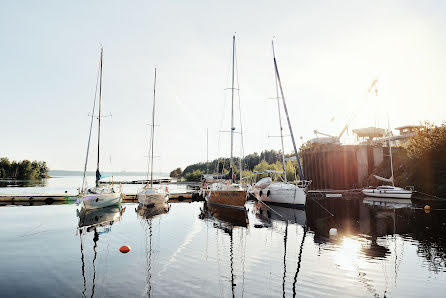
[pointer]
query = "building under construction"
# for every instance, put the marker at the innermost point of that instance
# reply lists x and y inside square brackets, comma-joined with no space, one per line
[342,167]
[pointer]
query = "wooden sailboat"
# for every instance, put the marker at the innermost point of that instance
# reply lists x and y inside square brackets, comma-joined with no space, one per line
[149,195]
[282,192]
[101,195]
[225,191]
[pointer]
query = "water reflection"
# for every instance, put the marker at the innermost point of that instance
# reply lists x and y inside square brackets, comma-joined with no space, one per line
[146,215]
[97,222]
[23,183]
[227,219]
[269,214]
[380,226]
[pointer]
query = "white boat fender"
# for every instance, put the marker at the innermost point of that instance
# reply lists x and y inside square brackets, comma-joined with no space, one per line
[333,233]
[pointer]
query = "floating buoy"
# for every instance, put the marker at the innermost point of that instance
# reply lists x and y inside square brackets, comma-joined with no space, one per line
[333,233]
[427,208]
[124,249]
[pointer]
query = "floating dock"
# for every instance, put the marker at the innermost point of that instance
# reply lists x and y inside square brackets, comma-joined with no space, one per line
[67,198]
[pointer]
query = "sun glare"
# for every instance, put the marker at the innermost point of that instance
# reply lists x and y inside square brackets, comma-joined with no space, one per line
[347,256]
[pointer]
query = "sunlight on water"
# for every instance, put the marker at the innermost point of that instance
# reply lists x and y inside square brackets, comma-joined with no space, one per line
[195,249]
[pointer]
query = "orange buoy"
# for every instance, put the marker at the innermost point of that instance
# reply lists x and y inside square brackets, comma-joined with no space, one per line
[124,249]
[427,208]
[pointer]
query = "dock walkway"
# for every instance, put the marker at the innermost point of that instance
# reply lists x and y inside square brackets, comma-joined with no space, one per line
[69,198]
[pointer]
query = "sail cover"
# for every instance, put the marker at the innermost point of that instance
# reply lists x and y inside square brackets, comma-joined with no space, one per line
[98,175]
[389,180]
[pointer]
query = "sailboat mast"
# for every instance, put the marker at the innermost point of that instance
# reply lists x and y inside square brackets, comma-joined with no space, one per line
[232,104]
[391,163]
[280,124]
[207,152]
[301,173]
[98,175]
[153,131]
[390,150]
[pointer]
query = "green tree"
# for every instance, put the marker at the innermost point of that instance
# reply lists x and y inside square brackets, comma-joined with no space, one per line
[427,159]
[176,173]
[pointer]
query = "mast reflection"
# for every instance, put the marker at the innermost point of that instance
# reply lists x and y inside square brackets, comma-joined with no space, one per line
[146,215]
[98,221]
[280,214]
[226,219]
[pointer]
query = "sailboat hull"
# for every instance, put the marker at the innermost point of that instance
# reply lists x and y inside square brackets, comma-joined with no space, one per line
[152,199]
[95,201]
[397,193]
[228,198]
[282,193]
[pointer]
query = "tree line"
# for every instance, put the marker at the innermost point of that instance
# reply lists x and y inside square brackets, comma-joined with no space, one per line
[266,160]
[23,170]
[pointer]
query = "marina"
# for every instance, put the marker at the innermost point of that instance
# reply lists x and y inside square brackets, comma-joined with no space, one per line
[223,149]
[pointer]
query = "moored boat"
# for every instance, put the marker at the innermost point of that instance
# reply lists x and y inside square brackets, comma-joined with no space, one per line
[282,192]
[224,191]
[385,191]
[149,195]
[101,195]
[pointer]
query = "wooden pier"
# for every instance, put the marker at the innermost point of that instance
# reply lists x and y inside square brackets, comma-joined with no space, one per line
[67,198]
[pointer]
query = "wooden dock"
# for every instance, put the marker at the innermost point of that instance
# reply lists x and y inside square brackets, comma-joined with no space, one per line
[144,181]
[67,198]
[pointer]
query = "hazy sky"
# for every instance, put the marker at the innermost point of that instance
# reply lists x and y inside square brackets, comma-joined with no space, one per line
[328,53]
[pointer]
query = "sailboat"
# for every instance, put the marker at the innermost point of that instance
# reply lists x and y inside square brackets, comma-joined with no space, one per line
[150,196]
[101,195]
[225,191]
[282,192]
[387,191]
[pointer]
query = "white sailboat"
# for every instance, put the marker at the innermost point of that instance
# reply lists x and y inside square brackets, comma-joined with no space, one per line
[282,192]
[387,191]
[150,196]
[225,191]
[101,195]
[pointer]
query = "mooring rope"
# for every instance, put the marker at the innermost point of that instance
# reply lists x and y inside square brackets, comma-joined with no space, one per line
[432,196]
[270,208]
[321,205]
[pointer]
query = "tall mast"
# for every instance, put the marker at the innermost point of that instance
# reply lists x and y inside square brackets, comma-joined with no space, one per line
[280,124]
[301,173]
[153,132]
[390,151]
[207,152]
[232,104]
[98,174]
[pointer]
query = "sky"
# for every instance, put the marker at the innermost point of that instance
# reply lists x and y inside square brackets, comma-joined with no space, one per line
[328,53]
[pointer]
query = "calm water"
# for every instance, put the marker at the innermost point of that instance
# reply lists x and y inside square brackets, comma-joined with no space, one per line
[191,249]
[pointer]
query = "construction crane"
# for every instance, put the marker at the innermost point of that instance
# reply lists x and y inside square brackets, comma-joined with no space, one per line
[336,139]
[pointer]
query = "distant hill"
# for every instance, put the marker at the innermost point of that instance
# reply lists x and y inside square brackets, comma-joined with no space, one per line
[56,173]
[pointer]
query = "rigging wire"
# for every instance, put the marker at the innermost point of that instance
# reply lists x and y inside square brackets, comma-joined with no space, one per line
[91,126]
[242,153]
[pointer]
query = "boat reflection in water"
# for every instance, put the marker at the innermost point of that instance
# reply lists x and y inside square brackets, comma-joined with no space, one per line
[226,219]
[385,217]
[146,215]
[270,214]
[97,221]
